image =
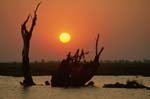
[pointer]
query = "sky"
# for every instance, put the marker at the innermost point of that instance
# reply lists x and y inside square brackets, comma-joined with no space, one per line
[123,25]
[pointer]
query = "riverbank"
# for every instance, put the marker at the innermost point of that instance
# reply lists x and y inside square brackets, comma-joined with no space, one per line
[48,68]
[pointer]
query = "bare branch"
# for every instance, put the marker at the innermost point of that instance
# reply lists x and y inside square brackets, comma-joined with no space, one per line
[97,44]
[33,24]
[34,19]
[37,7]
[100,51]
[26,20]
[24,30]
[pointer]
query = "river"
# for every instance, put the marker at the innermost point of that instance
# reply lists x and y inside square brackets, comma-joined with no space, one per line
[11,89]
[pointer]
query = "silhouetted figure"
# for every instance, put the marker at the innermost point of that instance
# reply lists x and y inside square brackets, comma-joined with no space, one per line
[26,35]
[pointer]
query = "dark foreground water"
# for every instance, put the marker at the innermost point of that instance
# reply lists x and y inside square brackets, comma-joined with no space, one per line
[11,89]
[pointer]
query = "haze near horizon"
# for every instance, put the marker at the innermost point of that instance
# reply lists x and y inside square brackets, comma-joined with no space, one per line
[124,27]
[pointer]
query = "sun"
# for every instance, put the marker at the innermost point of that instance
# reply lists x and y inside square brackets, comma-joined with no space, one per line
[64,37]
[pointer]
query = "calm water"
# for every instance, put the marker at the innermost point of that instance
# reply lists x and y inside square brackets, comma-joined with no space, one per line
[11,89]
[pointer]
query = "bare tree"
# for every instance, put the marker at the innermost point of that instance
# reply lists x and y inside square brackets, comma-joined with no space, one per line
[26,36]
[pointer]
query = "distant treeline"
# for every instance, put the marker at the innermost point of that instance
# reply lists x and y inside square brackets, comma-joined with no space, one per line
[121,67]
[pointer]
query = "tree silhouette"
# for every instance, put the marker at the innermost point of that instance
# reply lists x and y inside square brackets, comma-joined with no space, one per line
[26,36]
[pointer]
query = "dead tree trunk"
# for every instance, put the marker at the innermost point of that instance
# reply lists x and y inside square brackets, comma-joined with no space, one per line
[26,35]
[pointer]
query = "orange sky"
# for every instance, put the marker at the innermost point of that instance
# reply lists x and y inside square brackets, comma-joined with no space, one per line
[124,27]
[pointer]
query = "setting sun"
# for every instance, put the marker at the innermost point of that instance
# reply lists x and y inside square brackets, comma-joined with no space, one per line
[64,37]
